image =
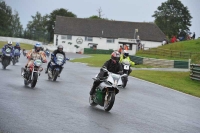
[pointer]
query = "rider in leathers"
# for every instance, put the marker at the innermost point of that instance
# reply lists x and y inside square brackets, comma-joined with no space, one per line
[60,51]
[35,54]
[112,65]
[9,45]
[125,55]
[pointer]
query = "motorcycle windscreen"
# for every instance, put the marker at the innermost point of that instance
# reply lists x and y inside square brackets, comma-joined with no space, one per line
[37,62]
[8,51]
[16,52]
[60,58]
[114,79]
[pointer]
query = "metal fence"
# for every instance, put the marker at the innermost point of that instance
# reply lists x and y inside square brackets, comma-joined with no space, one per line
[195,72]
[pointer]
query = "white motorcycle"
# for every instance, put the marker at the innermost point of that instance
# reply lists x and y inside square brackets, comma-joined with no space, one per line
[105,93]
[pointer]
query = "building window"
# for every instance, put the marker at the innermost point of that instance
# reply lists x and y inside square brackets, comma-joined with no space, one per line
[109,40]
[69,37]
[66,37]
[89,39]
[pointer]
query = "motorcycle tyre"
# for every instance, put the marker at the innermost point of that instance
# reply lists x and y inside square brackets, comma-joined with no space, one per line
[34,81]
[124,82]
[25,82]
[13,61]
[92,103]
[56,73]
[108,106]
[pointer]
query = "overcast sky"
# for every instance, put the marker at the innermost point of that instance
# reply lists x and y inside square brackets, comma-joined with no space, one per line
[122,10]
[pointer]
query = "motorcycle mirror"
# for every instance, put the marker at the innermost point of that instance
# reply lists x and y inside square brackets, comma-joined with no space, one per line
[67,58]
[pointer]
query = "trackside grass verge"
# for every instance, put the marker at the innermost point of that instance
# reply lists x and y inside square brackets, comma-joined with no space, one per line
[22,45]
[179,81]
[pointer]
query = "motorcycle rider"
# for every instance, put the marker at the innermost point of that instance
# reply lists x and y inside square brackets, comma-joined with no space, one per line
[35,54]
[17,46]
[125,55]
[60,51]
[112,65]
[8,45]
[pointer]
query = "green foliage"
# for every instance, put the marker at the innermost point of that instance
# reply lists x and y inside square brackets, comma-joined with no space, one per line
[36,28]
[5,19]
[52,18]
[17,29]
[94,17]
[171,16]
[192,46]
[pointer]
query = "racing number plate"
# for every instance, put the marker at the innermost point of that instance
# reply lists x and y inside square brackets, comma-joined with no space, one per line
[126,67]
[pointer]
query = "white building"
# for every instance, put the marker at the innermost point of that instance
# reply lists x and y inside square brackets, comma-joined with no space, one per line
[104,34]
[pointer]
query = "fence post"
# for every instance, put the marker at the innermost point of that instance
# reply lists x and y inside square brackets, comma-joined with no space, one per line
[189,62]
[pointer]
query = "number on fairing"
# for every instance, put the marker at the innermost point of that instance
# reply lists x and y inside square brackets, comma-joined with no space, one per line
[126,67]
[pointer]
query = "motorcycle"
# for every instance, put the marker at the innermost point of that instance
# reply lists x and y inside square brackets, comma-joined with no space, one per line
[6,57]
[47,53]
[0,55]
[126,66]
[105,93]
[24,52]
[56,66]
[31,74]
[16,56]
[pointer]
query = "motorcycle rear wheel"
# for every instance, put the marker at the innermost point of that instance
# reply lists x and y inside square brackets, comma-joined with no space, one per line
[108,104]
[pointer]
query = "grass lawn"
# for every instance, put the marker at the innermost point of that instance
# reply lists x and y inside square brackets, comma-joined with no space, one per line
[179,81]
[22,45]
[192,46]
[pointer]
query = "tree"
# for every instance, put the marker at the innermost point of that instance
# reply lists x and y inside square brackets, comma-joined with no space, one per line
[52,19]
[16,26]
[171,17]
[37,29]
[94,17]
[5,19]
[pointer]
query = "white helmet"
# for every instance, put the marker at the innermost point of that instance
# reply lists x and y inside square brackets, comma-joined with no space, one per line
[10,42]
[126,53]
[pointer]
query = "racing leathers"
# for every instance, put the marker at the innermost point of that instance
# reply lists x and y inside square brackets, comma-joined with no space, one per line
[33,55]
[7,48]
[54,54]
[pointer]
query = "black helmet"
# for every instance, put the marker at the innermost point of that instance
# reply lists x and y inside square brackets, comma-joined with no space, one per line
[126,54]
[115,56]
[60,48]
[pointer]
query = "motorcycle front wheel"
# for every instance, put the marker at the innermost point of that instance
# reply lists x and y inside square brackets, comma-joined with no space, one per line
[125,80]
[34,80]
[109,101]
[13,61]
[91,101]
[55,75]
